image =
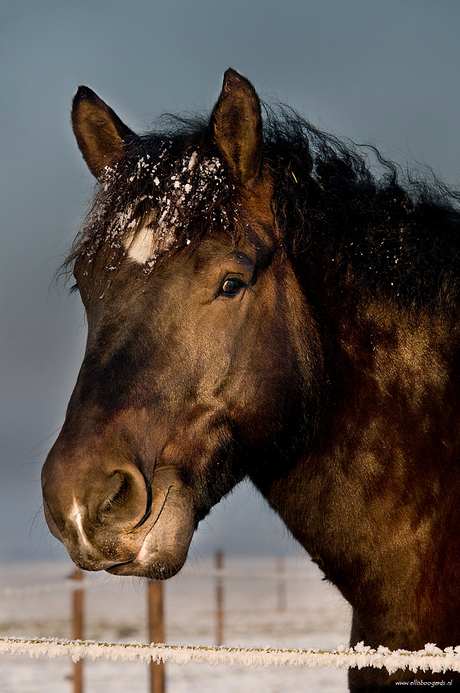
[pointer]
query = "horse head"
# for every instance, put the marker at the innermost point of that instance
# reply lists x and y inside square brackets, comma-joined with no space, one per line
[201,352]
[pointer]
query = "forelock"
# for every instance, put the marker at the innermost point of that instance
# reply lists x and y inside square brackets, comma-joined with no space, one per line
[156,200]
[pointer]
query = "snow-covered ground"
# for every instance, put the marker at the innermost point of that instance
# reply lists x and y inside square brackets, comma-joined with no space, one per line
[315,616]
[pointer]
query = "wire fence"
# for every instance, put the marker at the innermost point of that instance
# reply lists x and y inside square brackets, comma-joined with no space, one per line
[431,658]
[79,582]
[157,653]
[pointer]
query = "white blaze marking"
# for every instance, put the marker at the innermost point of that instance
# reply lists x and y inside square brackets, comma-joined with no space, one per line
[146,244]
[76,516]
[143,550]
[140,245]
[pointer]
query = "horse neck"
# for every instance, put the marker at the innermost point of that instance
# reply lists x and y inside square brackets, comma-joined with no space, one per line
[373,477]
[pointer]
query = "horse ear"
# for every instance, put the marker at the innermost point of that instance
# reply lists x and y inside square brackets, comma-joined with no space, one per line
[100,133]
[237,125]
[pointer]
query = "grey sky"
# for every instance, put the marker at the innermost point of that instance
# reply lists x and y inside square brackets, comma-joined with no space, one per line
[385,72]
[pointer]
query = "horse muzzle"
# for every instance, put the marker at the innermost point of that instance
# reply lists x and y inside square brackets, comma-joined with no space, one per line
[110,517]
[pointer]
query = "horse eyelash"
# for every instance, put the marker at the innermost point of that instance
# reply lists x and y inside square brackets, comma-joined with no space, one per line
[73,289]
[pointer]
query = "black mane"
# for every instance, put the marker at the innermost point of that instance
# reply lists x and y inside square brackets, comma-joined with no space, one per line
[399,235]
[333,207]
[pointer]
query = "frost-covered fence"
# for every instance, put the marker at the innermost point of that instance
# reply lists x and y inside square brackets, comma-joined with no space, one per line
[78,583]
[431,658]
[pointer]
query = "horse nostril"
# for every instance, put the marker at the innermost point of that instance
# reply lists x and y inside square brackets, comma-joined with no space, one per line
[125,499]
[118,492]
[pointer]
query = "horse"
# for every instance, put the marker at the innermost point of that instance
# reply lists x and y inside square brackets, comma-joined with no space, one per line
[267,301]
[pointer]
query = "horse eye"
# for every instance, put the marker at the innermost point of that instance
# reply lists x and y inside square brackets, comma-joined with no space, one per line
[231,287]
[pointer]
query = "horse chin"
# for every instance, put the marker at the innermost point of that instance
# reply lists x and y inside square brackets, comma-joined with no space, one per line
[161,555]
[164,549]
[157,567]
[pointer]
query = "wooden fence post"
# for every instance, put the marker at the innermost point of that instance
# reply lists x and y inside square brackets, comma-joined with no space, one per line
[77,629]
[219,563]
[156,632]
[281,583]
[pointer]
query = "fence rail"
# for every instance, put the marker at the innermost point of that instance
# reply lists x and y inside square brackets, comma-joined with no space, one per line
[431,658]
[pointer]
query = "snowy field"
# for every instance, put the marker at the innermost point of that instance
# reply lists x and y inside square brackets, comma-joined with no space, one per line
[315,616]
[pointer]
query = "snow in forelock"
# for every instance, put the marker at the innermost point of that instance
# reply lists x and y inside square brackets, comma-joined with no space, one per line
[430,658]
[159,234]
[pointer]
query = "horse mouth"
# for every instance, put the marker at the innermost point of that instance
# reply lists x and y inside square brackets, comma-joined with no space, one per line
[149,561]
[152,572]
